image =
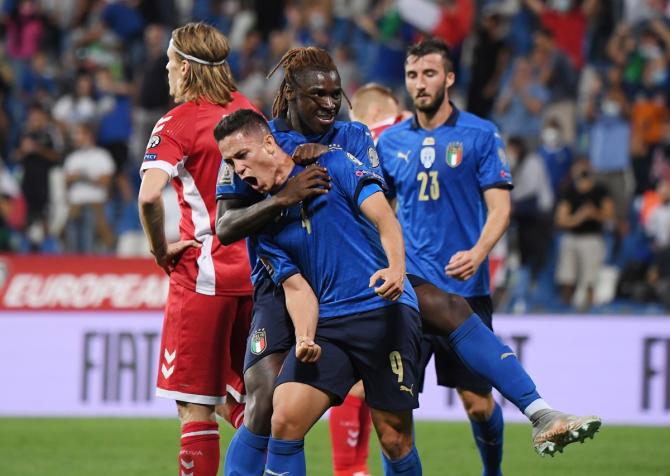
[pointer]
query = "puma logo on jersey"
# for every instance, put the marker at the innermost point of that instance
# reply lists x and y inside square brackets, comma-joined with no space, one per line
[410,389]
[404,156]
[507,354]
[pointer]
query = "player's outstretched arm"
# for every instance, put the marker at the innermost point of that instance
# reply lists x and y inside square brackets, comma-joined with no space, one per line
[236,220]
[152,216]
[464,264]
[303,307]
[377,209]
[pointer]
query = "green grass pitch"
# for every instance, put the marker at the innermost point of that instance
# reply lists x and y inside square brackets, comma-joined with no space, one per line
[148,447]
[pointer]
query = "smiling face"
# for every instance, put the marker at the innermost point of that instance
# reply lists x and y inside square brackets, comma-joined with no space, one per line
[252,155]
[315,101]
[427,81]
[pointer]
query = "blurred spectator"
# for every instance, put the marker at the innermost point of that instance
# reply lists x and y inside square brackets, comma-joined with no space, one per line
[555,72]
[658,229]
[24,28]
[88,174]
[636,11]
[582,213]
[490,60]
[78,106]
[36,155]
[38,81]
[649,115]
[568,21]
[153,95]
[532,203]
[520,104]
[390,36]
[556,154]
[12,208]
[609,138]
[115,126]
[449,20]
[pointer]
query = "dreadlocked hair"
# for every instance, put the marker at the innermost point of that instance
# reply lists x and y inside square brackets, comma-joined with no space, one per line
[294,61]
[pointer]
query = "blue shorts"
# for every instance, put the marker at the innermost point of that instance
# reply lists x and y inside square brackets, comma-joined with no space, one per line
[381,347]
[449,368]
[271,328]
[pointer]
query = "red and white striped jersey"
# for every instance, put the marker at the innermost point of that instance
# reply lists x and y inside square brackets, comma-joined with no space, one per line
[182,144]
[379,127]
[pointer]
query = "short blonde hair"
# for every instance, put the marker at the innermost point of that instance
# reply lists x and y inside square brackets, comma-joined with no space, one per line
[369,95]
[214,83]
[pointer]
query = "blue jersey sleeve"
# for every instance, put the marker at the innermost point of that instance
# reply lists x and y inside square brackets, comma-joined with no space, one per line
[382,150]
[367,191]
[277,263]
[350,175]
[360,143]
[493,170]
[229,185]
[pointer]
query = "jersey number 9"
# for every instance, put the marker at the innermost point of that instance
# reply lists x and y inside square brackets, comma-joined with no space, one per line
[396,365]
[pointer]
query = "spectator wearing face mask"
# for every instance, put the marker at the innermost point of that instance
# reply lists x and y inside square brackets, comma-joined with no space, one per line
[609,136]
[556,155]
[582,213]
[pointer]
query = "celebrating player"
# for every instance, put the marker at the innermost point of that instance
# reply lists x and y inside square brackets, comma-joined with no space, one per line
[304,109]
[375,106]
[450,175]
[209,303]
[340,259]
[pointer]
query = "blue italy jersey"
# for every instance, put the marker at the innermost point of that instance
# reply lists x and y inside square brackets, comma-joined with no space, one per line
[439,177]
[353,137]
[331,243]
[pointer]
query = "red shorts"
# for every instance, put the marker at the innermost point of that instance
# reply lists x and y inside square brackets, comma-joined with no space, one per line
[202,347]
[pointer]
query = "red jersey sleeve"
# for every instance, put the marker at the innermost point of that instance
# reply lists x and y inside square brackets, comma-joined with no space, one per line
[171,140]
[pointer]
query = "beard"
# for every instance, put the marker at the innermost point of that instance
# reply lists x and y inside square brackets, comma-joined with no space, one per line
[434,105]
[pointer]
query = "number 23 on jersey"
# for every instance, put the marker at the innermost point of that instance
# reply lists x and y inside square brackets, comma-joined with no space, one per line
[429,186]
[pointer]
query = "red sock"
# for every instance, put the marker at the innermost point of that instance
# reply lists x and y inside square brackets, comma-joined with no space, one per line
[345,433]
[363,447]
[199,455]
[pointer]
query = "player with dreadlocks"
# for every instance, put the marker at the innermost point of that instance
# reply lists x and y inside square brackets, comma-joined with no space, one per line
[304,112]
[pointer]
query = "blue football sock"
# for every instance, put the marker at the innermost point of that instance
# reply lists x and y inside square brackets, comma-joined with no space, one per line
[408,465]
[386,461]
[483,353]
[286,457]
[246,454]
[489,438]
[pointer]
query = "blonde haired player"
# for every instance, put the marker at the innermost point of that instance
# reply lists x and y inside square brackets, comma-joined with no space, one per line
[209,302]
[375,106]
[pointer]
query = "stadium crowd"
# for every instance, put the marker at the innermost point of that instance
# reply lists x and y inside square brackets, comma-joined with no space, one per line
[579,89]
